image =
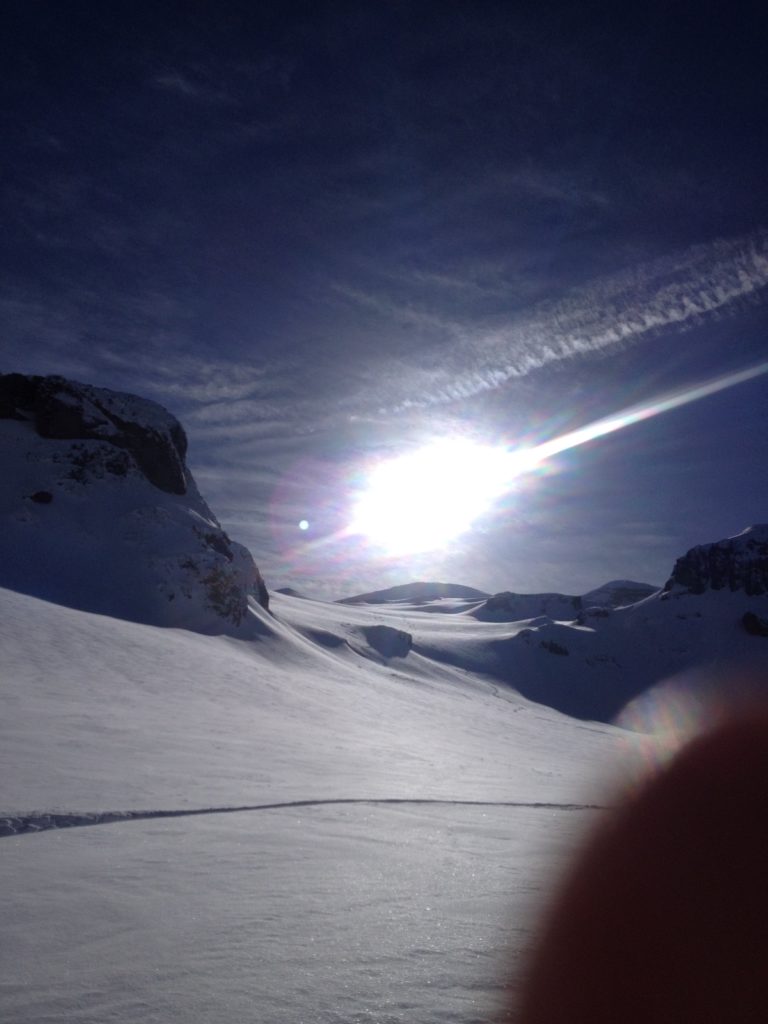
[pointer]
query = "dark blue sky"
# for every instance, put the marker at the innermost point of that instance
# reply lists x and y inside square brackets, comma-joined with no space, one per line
[321,232]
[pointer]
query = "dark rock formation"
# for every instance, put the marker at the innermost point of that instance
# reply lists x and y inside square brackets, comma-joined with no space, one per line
[66,410]
[754,624]
[260,587]
[128,533]
[389,642]
[737,563]
[553,647]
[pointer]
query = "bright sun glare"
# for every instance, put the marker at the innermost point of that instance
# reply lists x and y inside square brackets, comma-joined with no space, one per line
[423,499]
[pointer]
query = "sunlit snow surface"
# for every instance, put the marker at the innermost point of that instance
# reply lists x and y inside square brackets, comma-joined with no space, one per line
[346,912]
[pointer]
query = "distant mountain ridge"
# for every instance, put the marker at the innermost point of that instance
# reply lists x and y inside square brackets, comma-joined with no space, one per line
[100,512]
[589,656]
[506,606]
[416,592]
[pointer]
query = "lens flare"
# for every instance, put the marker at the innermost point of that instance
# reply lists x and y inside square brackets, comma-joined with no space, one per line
[637,413]
[421,500]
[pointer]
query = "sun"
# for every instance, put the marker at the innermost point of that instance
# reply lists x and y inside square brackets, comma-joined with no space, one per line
[422,500]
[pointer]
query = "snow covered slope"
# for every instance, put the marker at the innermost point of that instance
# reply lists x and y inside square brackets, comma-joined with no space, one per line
[336,813]
[98,511]
[506,606]
[103,714]
[322,824]
[590,656]
[405,819]
[325,823]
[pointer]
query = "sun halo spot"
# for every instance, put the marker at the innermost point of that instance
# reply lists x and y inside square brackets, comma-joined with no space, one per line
[423,499]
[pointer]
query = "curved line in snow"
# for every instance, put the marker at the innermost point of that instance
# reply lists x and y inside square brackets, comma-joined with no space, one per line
[14,825]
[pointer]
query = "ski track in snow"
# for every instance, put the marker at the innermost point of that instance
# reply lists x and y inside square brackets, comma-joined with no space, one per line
[15,825]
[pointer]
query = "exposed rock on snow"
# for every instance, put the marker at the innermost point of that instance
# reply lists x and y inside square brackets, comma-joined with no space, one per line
[389,642]
[736,563]
[67,410]
[553,647]
[755,625]
[99,511]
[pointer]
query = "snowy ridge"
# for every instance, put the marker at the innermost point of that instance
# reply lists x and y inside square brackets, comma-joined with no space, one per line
[508,606]
[505,606]
[617,594]
[418,592]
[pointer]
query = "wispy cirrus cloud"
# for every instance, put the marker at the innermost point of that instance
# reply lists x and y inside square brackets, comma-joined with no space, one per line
[670,293]
[191,88]
[227,82]
[245,402]
[408,314]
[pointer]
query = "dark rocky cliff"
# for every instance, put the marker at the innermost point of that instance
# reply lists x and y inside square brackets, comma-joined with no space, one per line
[67,410]
[99,510]
[737,563]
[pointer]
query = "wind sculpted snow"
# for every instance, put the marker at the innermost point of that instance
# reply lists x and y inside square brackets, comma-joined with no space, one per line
[390,887]
[325,824]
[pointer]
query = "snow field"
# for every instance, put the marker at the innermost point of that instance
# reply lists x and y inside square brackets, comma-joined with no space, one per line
[344,913]
[325,915]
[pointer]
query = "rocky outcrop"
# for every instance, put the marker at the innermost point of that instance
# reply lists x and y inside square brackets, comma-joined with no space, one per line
[67,410]
[387,641]
[736,563]
[754,624]
[99,511]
